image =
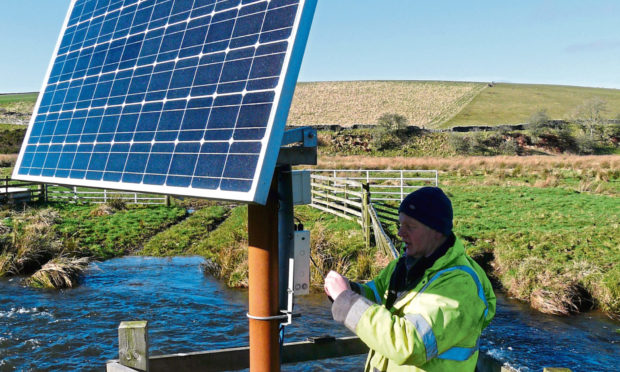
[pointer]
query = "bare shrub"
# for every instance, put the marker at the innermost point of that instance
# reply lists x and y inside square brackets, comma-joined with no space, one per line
[461,144]
[590,114]
[539,121]
[389,132]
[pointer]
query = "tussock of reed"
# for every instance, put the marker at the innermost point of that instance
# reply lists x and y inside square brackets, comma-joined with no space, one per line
[8,160]
[29,243]
[564,298]
[59,273]
[322,249]
[231,264]
[102,210]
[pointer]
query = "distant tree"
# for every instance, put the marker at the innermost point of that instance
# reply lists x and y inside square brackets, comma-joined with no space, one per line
[387,134]
[538,121]
[590,113]
[392,122]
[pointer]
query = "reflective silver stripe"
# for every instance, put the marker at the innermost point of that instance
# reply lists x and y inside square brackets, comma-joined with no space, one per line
[371,285]
[459,354]
[426,334]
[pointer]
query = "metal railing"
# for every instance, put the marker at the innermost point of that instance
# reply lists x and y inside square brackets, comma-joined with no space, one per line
[99,196]
[386,185]
[11,190]
[338,196]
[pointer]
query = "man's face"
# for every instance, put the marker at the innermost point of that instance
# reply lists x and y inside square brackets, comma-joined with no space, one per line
[420,240]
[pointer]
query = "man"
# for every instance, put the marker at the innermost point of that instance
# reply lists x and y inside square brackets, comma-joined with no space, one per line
[425,311]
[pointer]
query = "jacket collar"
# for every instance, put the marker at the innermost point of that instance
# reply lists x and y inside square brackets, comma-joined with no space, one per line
[449,259]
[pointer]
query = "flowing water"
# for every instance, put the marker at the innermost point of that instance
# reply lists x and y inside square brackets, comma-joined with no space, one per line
[76,330]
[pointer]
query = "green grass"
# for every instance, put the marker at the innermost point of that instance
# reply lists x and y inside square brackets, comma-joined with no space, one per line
[515,103]
[6,99]
[13,128]
[337,244]
[542,239]
[179,239]
[113,235]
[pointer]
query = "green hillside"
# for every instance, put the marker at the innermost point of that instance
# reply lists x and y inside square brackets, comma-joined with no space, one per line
[430,104]
[515,103]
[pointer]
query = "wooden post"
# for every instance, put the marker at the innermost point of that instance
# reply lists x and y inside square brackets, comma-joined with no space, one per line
[263,283]
[366,213]
[133,345]
[168,201]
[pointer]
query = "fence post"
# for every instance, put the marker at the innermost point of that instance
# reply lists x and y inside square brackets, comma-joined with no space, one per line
[42,197]
[133,345]
[402,193]
[75,194]
[168,200]
[346,198]
[105,195]
[366,213]
[436,178]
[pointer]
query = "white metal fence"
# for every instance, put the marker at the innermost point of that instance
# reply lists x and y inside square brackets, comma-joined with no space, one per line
[385,185]
[89,195]
[341,197]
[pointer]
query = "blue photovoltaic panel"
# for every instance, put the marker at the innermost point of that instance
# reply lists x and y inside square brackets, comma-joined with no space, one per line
[183,97]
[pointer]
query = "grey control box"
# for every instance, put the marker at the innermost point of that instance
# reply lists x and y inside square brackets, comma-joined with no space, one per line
[300,263]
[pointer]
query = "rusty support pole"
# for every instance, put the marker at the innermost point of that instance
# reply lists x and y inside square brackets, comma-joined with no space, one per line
[263,283]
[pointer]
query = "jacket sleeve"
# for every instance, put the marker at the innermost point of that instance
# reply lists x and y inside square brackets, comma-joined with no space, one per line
[432,322]
[375,289]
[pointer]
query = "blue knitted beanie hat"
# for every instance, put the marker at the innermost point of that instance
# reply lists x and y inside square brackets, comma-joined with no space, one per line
[430,206]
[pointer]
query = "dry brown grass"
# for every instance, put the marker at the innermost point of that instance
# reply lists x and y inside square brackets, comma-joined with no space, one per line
[59,273]
[594,174]
[601,163]
[362,102]
[321,246]
[33,242]
[8,160]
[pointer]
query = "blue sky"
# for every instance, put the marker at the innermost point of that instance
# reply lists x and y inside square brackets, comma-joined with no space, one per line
[566,42]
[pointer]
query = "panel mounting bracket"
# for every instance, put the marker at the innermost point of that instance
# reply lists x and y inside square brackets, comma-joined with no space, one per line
[299,147]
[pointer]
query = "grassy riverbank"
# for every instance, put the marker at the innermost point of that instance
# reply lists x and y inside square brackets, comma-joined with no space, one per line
[544,226]
[52,240]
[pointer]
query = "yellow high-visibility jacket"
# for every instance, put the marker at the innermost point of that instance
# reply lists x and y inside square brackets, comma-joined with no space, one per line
[434,327]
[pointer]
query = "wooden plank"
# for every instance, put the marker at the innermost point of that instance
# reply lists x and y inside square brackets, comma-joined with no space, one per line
[115,366]
[337,180]
[339,207]
[133,346]
[238,358]
[317,206]
[337,198]
[335,189]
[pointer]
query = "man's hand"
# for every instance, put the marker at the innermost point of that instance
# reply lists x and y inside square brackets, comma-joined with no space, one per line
[335,284]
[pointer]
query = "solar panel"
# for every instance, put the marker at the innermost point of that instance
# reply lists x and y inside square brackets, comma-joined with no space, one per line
[181,97]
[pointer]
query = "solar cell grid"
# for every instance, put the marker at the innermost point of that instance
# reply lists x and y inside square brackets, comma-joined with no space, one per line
[155,95]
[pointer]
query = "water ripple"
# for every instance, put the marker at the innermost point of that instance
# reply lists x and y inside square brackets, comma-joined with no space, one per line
[77,329]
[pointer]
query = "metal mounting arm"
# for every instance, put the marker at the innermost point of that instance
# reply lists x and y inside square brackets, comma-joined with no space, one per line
[304,151]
